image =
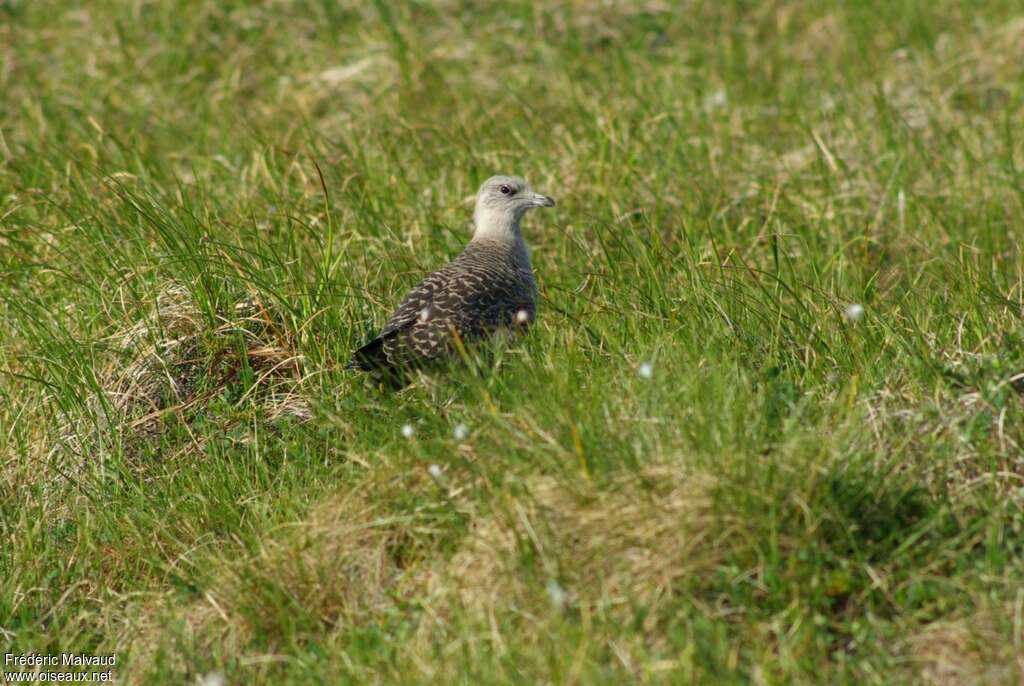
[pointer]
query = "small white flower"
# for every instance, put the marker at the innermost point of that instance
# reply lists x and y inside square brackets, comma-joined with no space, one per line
[461,431]
[437,474]
[717,100]
[557,594]
[408,430]
[854,312]
[645,370]
[211,679]
[522,316]
[425,314]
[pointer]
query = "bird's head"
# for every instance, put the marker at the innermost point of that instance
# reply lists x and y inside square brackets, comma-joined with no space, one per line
[501,202]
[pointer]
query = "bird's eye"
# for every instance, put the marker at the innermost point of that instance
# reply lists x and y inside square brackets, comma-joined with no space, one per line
[505,190]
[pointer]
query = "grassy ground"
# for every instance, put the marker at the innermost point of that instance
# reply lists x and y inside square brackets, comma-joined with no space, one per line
[205,206]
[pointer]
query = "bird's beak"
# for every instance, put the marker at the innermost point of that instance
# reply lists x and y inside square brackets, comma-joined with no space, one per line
[539,200]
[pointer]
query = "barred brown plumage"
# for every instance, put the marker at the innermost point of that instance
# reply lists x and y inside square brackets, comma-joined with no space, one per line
[487,287]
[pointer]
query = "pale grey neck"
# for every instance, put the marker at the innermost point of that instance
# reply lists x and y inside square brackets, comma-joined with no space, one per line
[496,226]
[503,235]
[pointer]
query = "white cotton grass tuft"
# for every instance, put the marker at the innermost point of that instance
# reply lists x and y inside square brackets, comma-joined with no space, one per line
[437,474]
[211,679]
[522,316]
[461,431]
[645,370]
[408,430]
[854,312]
[557,594]
[717,101]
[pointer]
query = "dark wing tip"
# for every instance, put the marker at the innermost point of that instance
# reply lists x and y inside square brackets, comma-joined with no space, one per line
[369,357]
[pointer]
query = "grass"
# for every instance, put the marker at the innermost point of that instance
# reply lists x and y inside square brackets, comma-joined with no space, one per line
[205,206]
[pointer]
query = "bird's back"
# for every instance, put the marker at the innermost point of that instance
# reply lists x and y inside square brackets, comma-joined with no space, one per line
[488,287]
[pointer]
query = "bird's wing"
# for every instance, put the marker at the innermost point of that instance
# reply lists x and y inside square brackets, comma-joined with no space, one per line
[460,299]
[377,353]
[490,304]
[421,297]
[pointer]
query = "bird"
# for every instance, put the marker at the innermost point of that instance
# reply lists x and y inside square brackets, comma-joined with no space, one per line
[489,287]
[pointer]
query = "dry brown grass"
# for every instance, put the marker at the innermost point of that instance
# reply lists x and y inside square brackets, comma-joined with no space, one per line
[172,349]
[608,551]
[172,363]
[163,369]
[337,566]
[970,651]
[331,571]
[347,564]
